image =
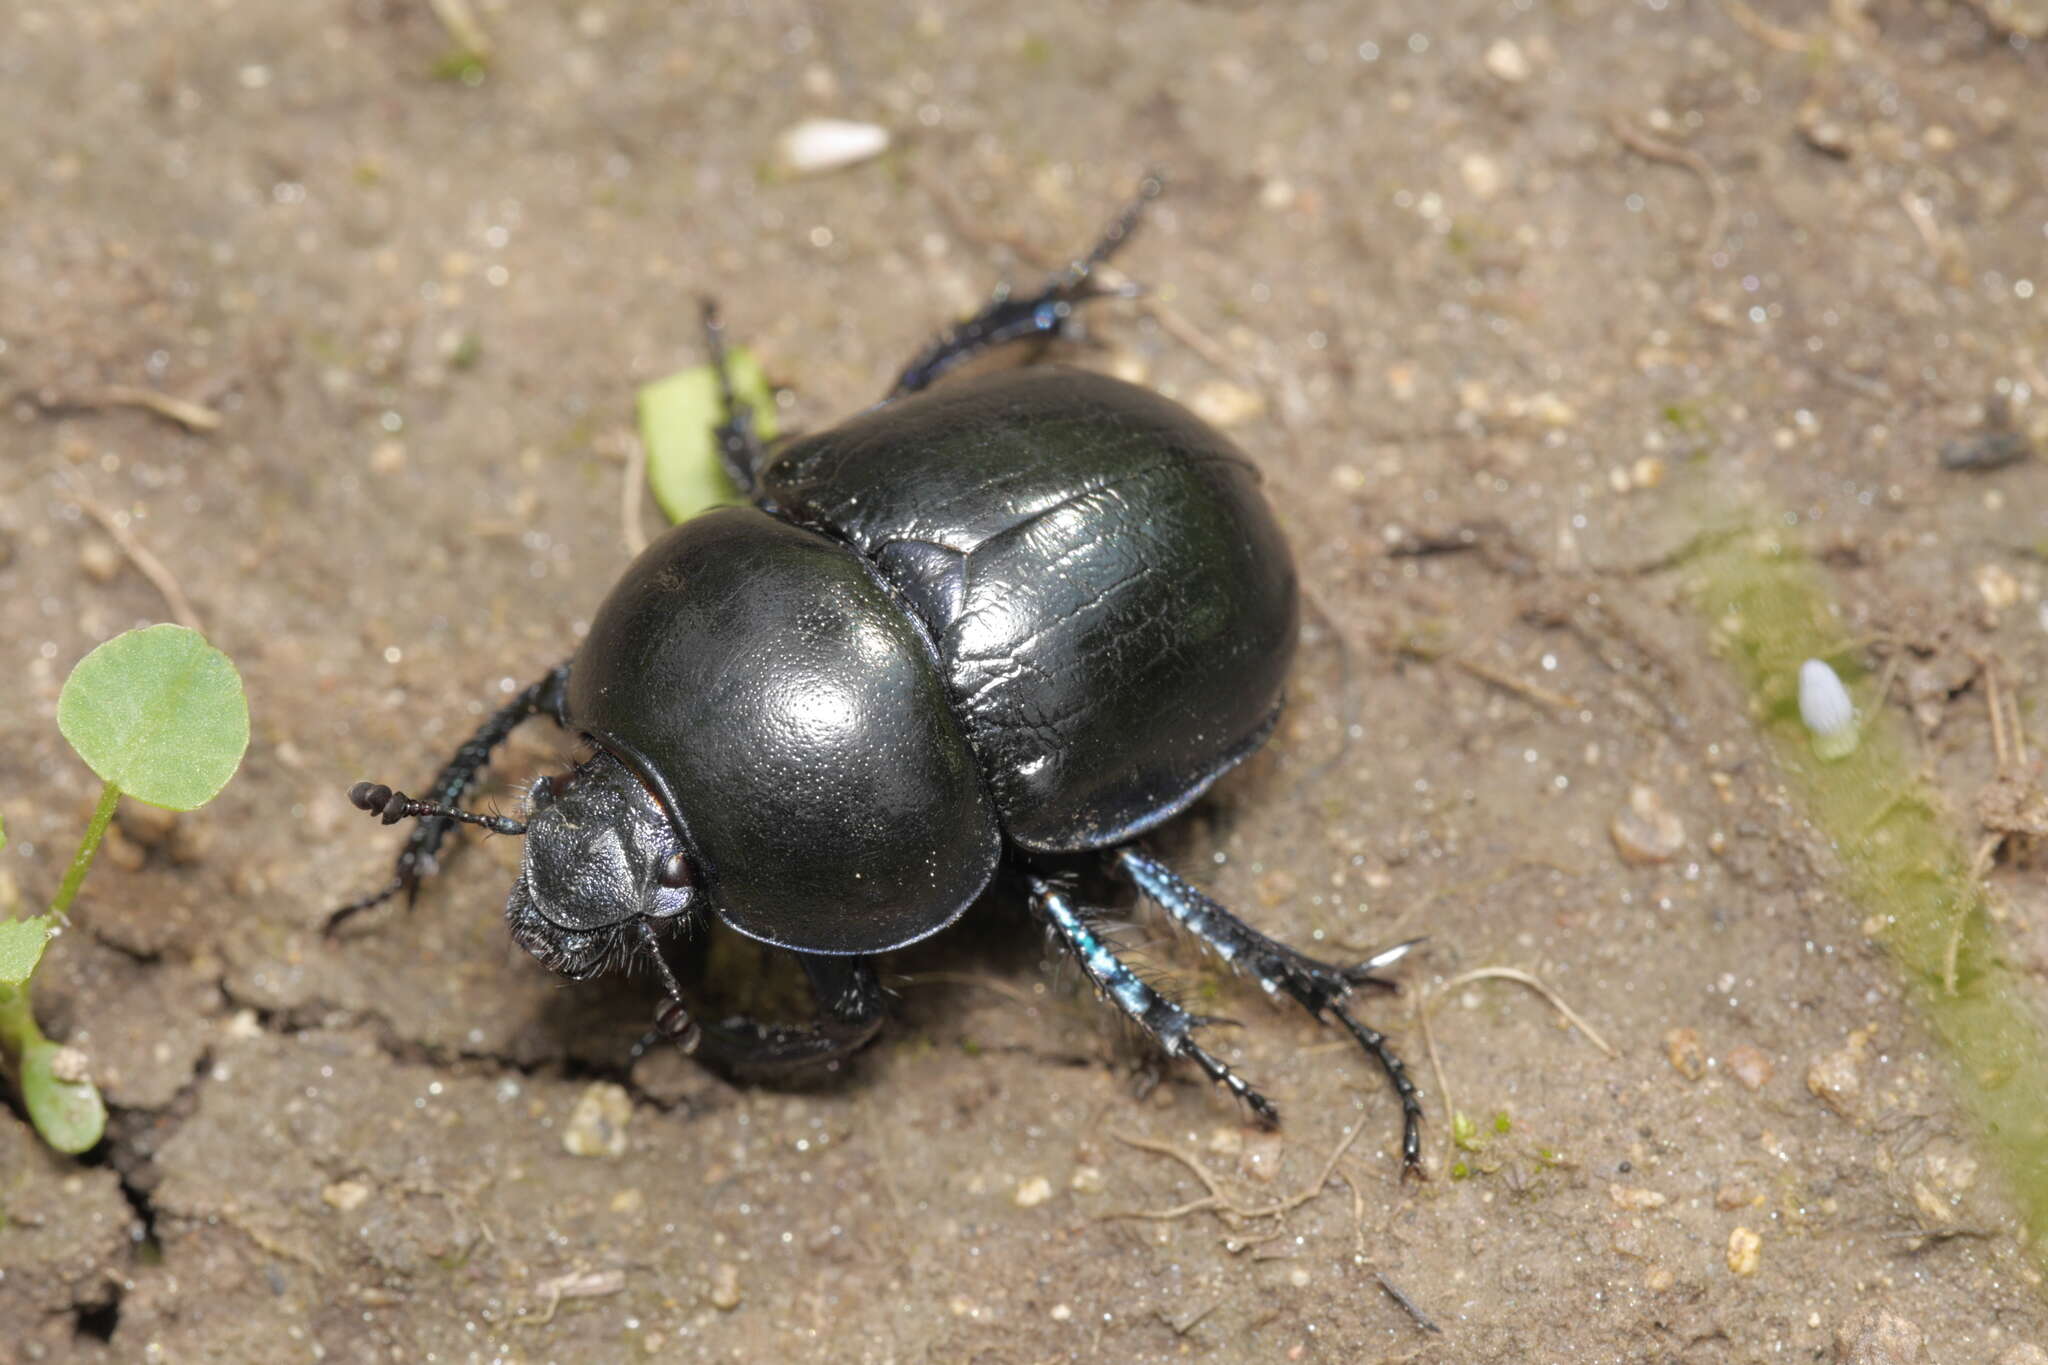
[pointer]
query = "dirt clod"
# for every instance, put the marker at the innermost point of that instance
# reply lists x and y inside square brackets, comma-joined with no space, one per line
[1745,1251]
[1879,1337]
[597,1125]
[1836,1078]
[1686,1052]
[1645,830]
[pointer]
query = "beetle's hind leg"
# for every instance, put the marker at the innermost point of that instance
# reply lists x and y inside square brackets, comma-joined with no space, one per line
[1004,318]
[1320,987]
[1165,1022]
[418,859]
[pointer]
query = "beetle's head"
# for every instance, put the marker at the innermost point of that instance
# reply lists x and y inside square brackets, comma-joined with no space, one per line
[601,859]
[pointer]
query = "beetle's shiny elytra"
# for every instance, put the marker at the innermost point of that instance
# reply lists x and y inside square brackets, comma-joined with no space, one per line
[1001,619]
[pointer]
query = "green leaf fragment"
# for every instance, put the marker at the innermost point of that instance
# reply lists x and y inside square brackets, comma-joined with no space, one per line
[159,713]
[1465,1133]
[21,946]
[679,417]
[67,1110]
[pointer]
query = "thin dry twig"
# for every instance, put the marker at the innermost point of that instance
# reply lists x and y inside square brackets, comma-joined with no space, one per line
[189,415]
[585,1284]
[1922,215]
[1655,149]
[461,22]
[632,497]
[138,554]
[1217,1197]
[1501,678]
[1436,1066]
[1535,984]
[1768,33]
[1172,322]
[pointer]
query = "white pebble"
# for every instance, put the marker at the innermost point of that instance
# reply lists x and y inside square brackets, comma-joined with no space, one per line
[818,145]
[1825,706]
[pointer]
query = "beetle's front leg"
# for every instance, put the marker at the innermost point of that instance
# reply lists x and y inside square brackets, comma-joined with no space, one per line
[850,1013]
[549,697]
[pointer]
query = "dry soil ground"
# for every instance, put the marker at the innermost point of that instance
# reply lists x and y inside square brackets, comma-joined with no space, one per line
[1501,295]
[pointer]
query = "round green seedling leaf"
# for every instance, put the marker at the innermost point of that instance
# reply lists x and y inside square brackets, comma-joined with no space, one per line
[21,946]
[65,1107]
[679,419]
[159,713]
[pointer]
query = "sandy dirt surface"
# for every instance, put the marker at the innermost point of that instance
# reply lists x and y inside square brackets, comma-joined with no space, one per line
[1501,296]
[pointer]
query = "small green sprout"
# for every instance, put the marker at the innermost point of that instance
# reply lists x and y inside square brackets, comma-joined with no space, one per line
[1465,1133]
[158,714]
[679,418]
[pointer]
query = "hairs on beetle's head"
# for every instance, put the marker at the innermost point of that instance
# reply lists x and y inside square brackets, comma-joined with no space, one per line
[393,806]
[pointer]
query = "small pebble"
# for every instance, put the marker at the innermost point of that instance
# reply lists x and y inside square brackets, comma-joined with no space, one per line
[345,1196]
[1033,1192]
[597,1126]
[817,145]
[1507,62]
[1636,1197]
[100,559]
[1748,1066]
[1687,1053]
[1482,175]
[1735,1196]
[1996,585]
[1085,1180]
[1645,830]
[725,1287]
[1745,1251]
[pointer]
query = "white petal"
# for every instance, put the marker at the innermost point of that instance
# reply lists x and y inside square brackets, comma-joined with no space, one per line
[1825,706]
[826,144]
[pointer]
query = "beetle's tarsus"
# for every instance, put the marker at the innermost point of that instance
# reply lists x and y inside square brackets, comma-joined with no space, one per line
[1045,314]
[1319,987]
[1165,1022]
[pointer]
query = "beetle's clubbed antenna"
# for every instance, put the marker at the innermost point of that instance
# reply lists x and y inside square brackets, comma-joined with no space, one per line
[392,807]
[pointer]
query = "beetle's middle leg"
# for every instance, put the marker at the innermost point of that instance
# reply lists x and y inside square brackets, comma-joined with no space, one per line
[1004,318]
[1320,987]
[418,860]
[1166,1023]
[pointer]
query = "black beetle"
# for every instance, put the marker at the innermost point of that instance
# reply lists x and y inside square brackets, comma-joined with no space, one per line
[1029,614]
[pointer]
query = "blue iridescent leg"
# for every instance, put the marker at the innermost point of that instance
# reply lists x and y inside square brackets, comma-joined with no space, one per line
[1320,987]
[1162,1020]
[1045,314]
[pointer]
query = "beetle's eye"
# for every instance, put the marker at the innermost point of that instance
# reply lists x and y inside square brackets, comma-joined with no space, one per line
[541,793]
[675,872]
